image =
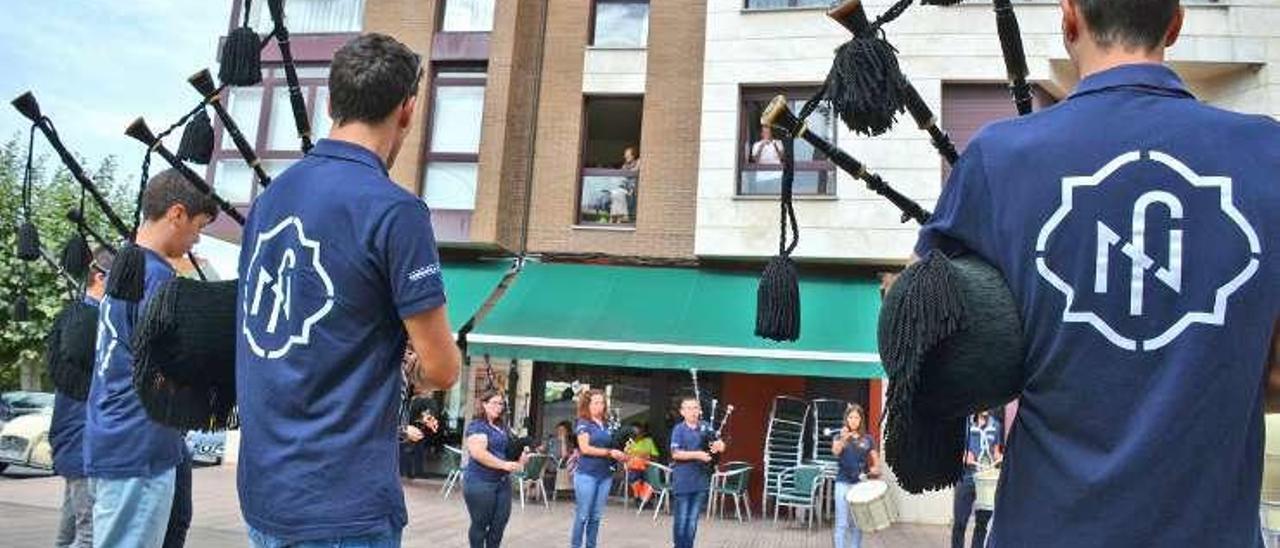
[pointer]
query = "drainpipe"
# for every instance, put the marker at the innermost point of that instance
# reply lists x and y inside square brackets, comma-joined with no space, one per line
[533,137]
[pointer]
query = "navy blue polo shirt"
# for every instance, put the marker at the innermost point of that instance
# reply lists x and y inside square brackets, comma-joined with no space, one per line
[598,435]
[498,441]
[66,432]
[1139,231]
[853,459]
[688,476]
[334,256]
[120,440]
[983,439]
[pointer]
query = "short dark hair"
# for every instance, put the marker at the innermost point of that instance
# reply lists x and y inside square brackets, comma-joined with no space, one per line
[102,260]
[1134,24]
[370,76]
[168,188]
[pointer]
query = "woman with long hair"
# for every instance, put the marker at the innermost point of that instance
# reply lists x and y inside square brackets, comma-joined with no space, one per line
[486,483]
[594,476]
[857,454]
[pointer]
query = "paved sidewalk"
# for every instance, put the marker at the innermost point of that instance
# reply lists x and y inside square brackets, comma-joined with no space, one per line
[29,513]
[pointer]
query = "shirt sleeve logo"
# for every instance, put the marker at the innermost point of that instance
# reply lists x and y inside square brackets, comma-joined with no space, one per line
[424,272]
[1138,262]
[276,315]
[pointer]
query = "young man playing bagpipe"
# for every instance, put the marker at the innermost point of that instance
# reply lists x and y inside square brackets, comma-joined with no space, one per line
[133,459]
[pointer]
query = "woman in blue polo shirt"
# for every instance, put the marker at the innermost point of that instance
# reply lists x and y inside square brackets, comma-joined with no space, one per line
[486,487]
[594,476]
[857,453]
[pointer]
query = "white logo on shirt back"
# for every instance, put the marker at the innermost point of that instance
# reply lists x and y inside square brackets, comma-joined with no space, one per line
[271,280]
[1133,251]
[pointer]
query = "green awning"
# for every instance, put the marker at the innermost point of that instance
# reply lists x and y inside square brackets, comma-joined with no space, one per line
[467,285]
[677,318]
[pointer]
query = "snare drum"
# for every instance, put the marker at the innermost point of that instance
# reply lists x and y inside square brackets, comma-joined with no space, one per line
[984,483]
[869,504]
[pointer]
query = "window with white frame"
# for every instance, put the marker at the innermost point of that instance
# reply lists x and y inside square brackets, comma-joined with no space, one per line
[620,24]
[467,16]
[760,151]
[611,159]
[311,16]
[270,127]
[453,147]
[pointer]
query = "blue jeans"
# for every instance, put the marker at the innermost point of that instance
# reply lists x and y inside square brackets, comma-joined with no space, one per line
[489,504]
[846,531]
[132,512]
[389,539]
[589,497]
[684,527]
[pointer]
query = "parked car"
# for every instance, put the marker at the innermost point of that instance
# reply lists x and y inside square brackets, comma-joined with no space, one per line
[17,404]
[24,441]
[207,447]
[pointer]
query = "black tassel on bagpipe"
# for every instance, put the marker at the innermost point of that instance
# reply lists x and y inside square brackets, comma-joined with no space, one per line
[865,86]
[138,130]
[202,81]
[197,140]
[852,16]
[951,343]
[778,295]
[76,257]
[184,355]
[242,54]
[69,349]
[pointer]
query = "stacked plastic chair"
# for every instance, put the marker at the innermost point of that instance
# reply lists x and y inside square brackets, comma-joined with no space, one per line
[784,444]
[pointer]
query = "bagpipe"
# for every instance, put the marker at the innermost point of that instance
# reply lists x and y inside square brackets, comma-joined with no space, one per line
[708,430]
[184,340]
[185,344]
[949,333]
[71,342]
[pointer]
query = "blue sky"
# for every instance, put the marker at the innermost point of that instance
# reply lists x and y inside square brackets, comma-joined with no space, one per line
[95,65]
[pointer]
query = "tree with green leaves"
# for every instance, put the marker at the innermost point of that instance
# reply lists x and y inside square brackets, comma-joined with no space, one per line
[22,343]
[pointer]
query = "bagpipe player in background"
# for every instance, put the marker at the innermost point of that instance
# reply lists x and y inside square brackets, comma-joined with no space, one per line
[66,430]
[596,461]
[486,484]
[133,459]
[690,471]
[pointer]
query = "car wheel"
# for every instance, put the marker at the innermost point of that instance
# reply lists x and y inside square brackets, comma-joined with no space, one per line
[3,467]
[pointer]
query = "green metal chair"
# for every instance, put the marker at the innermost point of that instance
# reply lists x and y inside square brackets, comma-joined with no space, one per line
[734,482]
[659,478]
[453,460]
[799,490]
[530,477]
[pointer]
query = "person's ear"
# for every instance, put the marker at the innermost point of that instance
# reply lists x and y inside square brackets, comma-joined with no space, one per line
[176,213]
[1070,21]
[407,108]
[1175,27]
